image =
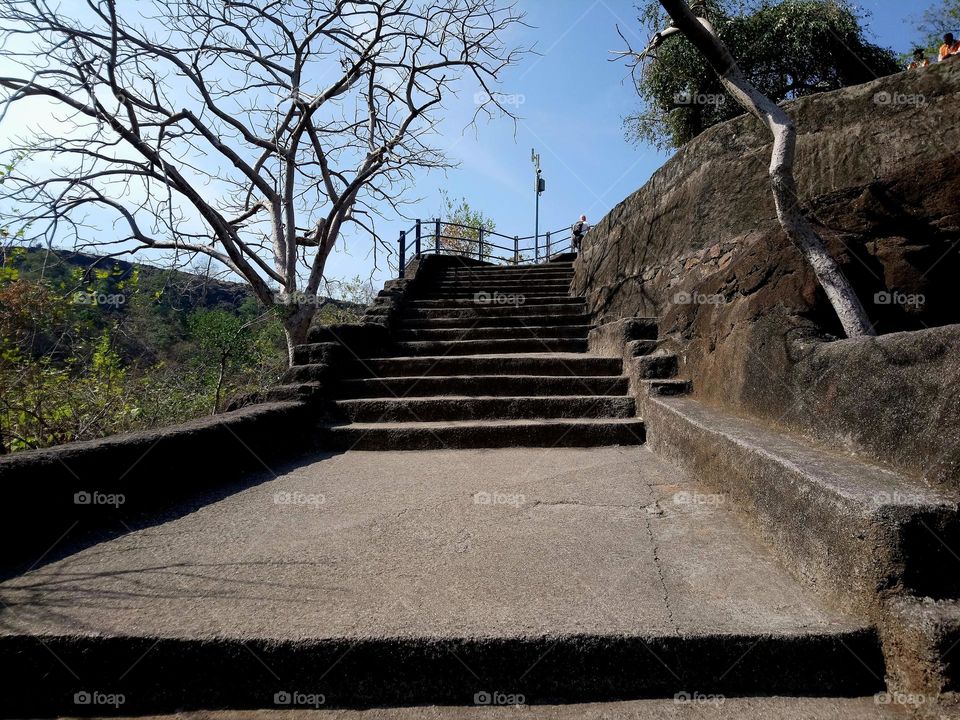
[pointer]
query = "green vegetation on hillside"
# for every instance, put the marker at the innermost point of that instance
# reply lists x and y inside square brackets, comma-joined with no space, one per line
[91,347]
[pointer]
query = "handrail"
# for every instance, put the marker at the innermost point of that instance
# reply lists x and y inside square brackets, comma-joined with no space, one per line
[481,247]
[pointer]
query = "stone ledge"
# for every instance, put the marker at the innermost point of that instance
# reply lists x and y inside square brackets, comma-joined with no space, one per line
[922,636]
[150,469]
[860,531]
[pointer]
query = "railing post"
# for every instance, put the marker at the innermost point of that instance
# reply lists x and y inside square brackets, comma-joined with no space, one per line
[548,245]
[436,237]
[480,249]
[536,249]
[516,250]
[418,238]
[403,250]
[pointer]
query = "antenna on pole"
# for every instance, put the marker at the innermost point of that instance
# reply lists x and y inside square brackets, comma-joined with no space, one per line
[539,186]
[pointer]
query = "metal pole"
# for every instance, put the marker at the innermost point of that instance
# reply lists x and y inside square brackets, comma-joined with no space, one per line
[480,250]
[403,250]
[516,250]
[418,238]
[535,159]
[436,237]
[536,217]
[548,244]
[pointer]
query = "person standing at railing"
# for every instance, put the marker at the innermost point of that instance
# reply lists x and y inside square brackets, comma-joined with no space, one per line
[580,228]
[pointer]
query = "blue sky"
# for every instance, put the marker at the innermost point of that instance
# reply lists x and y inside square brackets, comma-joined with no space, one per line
[571,101]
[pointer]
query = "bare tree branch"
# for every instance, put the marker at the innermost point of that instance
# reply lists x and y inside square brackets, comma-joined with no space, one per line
[254,132]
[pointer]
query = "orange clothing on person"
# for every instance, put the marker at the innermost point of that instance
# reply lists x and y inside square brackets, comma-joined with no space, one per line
[918,64]
[948,50]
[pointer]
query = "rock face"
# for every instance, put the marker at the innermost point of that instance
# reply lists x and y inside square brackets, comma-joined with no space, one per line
[699,247]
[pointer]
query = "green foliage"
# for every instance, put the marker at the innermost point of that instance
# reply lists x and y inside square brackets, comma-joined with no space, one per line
[348,300]
[224,345]
[457,239]
[92,351]
[787,49]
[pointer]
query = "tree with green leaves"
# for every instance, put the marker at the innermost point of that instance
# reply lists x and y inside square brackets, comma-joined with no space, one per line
[785,49]
[701,34]
[224,343]
[460,233]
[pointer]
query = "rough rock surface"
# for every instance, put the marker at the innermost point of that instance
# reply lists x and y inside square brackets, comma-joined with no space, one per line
[699,247]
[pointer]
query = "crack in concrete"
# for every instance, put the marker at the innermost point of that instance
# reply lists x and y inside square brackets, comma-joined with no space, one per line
[577,503]
[657,564]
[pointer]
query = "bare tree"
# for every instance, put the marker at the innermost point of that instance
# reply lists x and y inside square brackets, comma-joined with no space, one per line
[798,229]
[251,131]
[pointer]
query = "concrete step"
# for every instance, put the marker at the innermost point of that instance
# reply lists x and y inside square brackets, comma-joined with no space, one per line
[482,311]
[469,293]
[483,434]
[564,364]
[659,366]
[463,408]
[851,527]
[524,268]
[479,284]
[667,387]
[519,273]
[488,346]
[686,706]
[490,299]
[472,333]
[437,323]
[385,579]
[483,385]
[525,278]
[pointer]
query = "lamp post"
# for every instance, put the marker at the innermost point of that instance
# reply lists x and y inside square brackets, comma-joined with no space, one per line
[538,187]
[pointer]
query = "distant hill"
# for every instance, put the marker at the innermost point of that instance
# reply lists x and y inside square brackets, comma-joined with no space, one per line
[197,291]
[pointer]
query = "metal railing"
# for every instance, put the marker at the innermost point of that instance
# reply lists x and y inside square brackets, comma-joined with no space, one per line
[432,236]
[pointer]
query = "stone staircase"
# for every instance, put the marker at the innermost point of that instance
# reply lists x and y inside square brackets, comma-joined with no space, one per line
[484,357]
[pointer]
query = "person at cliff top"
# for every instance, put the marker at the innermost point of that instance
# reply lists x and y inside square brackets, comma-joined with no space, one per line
[919,60]
[950,47]
[580,228]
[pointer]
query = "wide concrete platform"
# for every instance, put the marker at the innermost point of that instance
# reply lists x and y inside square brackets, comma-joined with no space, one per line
[718,708]
[389,578]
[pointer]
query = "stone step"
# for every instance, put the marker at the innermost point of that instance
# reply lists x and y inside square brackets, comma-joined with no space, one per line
[562,364]
[373,580]
[469,293]
[483,434]
[481,311]
[462,408]
[470,283]
[686,706]
[558,271]
[659,366]
[477,333]
[667,387]
[526,267]
[437,323]
[483,385]
[824,511]
[489,346]
[504,278]
[487,299]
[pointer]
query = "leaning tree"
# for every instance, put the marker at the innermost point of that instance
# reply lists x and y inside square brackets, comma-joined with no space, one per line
[255,132]
[704,38]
